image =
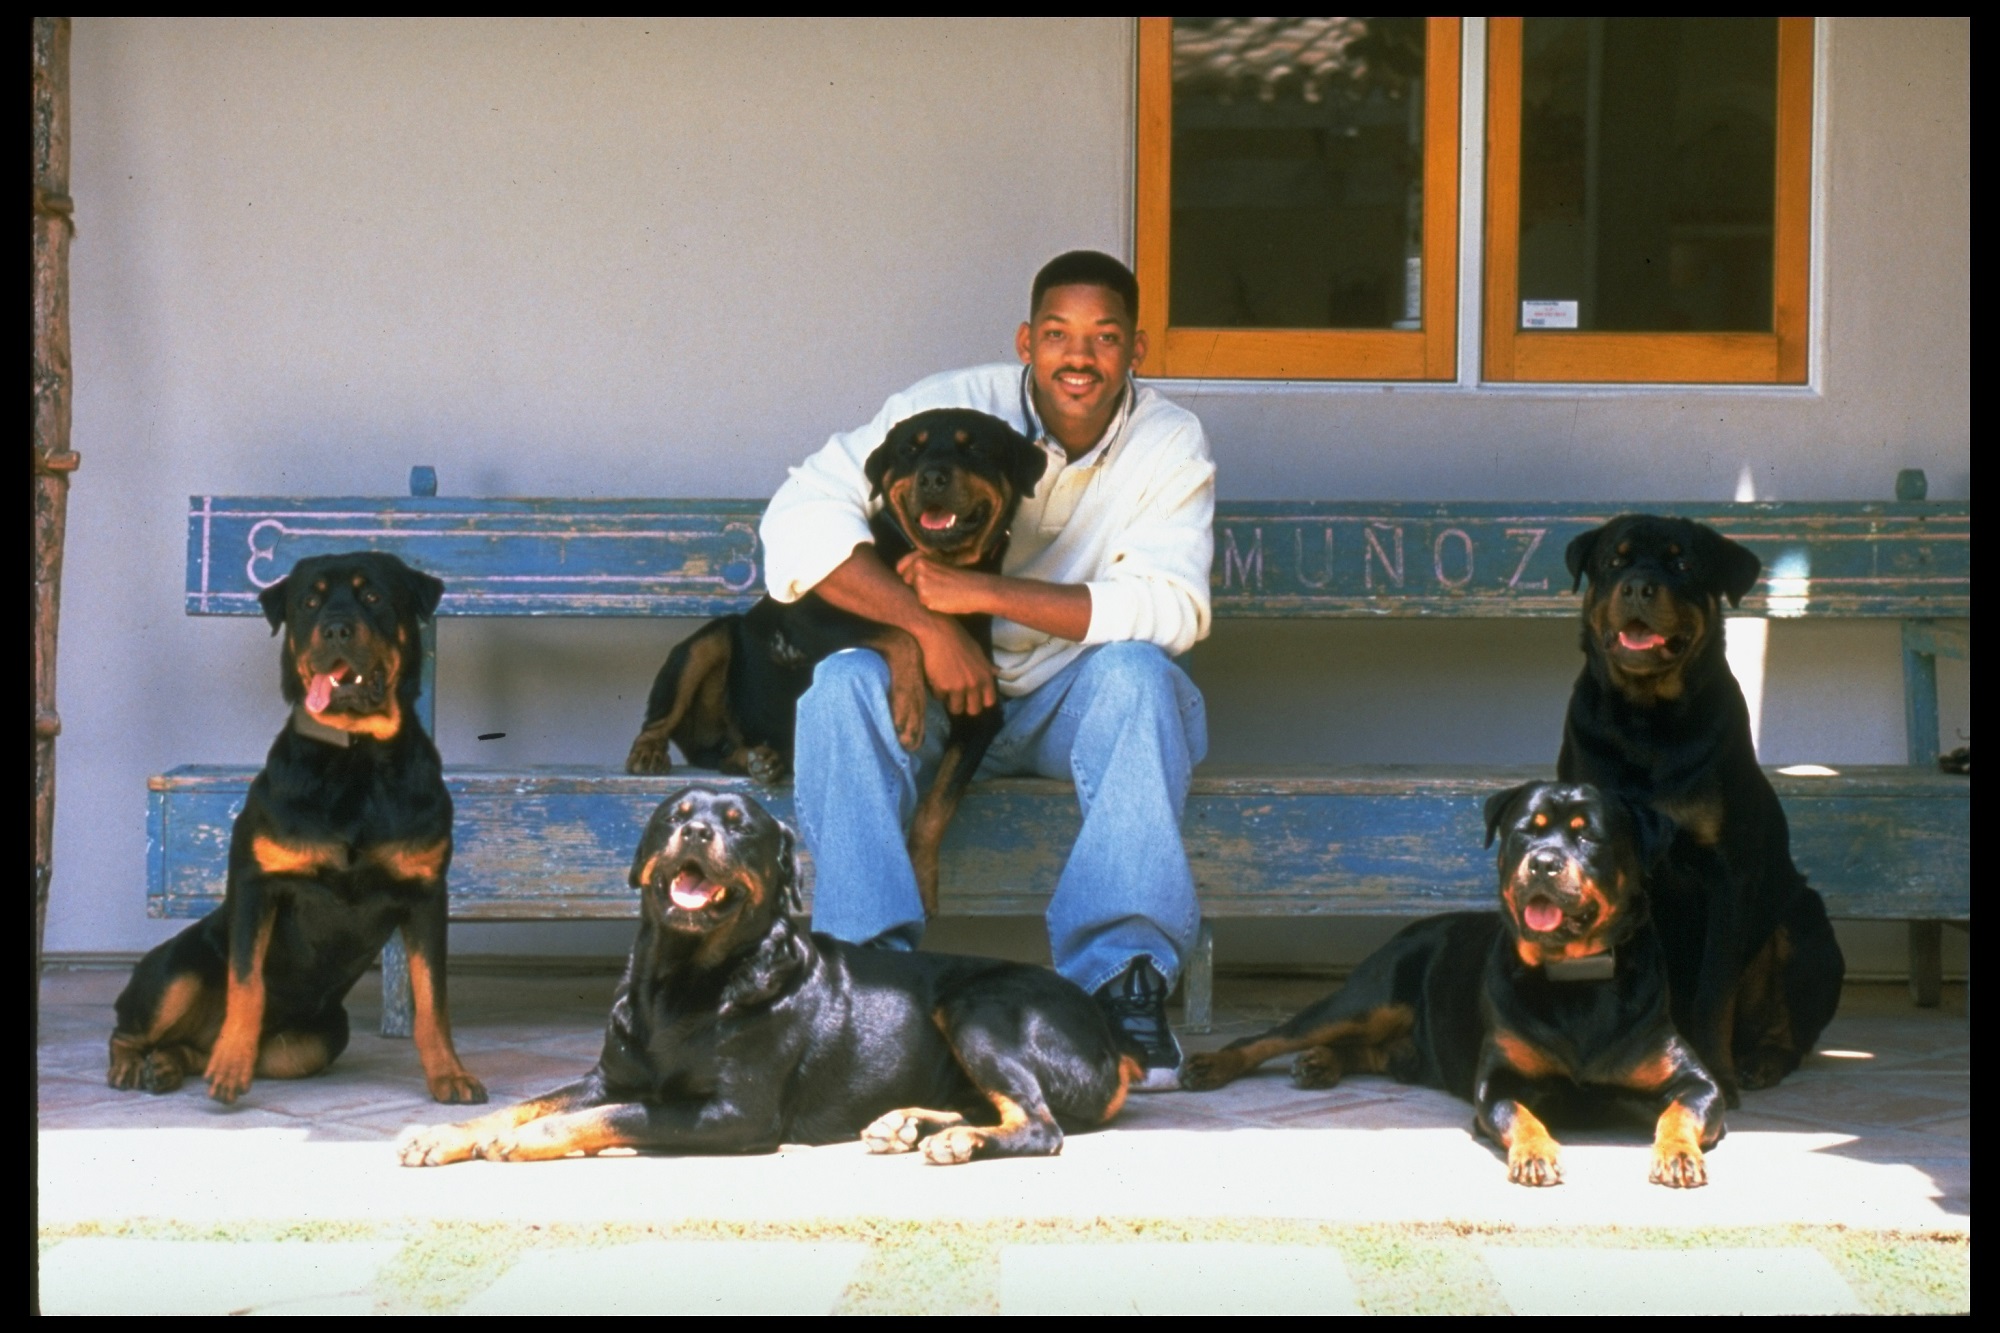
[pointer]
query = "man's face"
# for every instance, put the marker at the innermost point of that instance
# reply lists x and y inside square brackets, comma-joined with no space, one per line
[1079,347]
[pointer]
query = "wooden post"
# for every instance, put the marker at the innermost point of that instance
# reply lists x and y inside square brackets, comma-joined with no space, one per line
[50,410]
[1920,727]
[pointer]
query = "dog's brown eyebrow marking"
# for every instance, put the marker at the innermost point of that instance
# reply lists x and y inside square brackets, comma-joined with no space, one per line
[963,436]
[923,437]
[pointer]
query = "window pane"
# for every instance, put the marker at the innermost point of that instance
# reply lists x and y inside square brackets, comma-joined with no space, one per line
[1648,172]
[1297,182]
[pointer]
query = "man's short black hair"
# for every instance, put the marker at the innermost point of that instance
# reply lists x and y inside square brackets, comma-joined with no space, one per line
[1092,268]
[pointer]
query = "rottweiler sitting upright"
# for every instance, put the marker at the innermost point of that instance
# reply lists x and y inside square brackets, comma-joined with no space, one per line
[1553,1004]
[1657,716]
[950,480]
[734,1031]
[345,837]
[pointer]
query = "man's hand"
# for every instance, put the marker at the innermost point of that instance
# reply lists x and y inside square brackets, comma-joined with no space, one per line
[946,589]
[957,672]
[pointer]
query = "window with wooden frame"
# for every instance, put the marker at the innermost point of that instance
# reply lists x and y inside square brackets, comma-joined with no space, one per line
[1297,209]
[1648,202]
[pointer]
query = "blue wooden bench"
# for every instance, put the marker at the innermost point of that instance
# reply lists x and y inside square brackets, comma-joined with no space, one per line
[1883,842]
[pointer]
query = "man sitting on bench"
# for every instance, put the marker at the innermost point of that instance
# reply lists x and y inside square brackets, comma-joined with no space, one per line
[1106,580]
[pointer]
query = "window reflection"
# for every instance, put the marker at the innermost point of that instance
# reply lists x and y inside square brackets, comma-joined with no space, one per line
[1648,174]
[1297,176]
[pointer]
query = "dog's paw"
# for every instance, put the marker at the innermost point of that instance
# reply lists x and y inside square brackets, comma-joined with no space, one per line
[899,1131]
[230,1071]
[648,757]
[765,765]
[1316,1067]
[436,1145]
[952,1147]
[1209,1070]
[1765,1069]
[1534,1164]
[455,1087]
[131,1064]
[1679,1168]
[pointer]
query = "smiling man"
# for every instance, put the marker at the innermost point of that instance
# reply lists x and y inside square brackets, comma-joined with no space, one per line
[1104,582]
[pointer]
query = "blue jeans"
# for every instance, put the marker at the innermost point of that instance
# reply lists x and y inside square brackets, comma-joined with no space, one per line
[1121,721]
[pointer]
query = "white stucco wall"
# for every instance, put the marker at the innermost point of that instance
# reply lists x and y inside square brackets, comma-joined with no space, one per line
[627,258]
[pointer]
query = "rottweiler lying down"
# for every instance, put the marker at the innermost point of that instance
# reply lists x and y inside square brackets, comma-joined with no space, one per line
[345,837]
[1657,717]
[734,1031]
[1549,1007]
[950,480]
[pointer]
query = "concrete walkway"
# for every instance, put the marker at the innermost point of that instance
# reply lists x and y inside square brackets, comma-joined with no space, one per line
[1873,1135]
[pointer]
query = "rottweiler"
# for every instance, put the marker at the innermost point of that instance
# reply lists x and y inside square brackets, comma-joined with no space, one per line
[734,1031]
[345,837]
[1554,1006]
[1657,716]
[949,480]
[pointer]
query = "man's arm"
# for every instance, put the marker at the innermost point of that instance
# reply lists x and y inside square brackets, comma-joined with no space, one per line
[1060,609]
[957,672]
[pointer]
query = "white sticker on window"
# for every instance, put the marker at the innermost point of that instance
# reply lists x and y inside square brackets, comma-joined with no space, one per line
[1548,314]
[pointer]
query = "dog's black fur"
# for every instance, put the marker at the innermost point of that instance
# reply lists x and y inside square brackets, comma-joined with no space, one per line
[1657,716]
[734,1031]
[345,838]
[728,692]
[1490,1007]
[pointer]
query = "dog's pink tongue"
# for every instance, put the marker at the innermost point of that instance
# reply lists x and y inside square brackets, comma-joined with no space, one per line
[1541,914]
[320,693]
[936,520]
[690,892]
[1641,641]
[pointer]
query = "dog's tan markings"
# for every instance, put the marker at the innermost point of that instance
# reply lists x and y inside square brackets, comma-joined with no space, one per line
[1374,1031]
[1700,815]
[233,1061]
[1022,1131]
[1653,1072]
[447,1079]
[996,498]
[276,857]
[409,860]
[292,1055]
[441,1145]
[1766,1045]
[1130,1071]
[909,696]
[1533,1155]
[176,1040]
[900,1131]
[1677,1144]
[927,827]
[699,716]
[1524,1057]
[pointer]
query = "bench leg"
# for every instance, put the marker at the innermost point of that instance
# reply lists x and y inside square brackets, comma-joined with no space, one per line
[1198,984]
[397,1008]
[1926,963]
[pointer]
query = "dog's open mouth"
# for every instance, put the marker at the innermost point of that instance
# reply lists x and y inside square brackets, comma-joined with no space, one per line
[341,682]
[940,525]
[1640,638]
[1542,915]
[693,891]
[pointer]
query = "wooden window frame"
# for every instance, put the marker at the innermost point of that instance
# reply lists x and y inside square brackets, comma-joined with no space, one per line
[1429,353]
[1542,355]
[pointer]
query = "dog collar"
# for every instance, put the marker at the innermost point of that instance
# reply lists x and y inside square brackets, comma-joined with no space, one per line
[313,729]
[1597,967]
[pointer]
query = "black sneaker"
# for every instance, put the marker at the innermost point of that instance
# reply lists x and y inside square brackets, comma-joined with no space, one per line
[1136,1003]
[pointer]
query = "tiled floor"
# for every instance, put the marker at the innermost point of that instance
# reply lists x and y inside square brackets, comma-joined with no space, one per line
[1873,1134]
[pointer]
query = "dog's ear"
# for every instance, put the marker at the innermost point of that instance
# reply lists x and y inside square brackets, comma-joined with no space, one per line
[1025,463]
[1735,566]
[1576,557]
[788,868]
[272,599]
[877,467]
[1499,803]
[425,590]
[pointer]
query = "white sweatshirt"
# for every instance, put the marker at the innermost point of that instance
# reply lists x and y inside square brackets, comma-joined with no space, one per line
[1132,520]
